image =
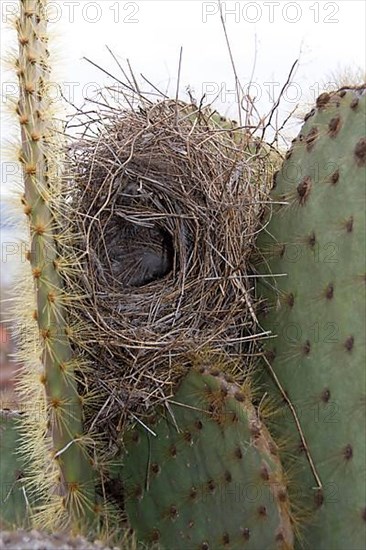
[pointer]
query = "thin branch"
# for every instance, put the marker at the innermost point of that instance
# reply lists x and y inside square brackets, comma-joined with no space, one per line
[237,82]
[273,110]
[178,84]
[297,422]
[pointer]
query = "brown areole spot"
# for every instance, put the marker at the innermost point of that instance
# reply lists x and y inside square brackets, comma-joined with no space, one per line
[27,209]
[288,154]
[211,485]
[23,40]
[39,228]
[306,348]
[188,437]
[233,418]
[334,126]
[311,138]
[322,100]
[360,152]
[173,451]
[334,178]
[301,447]
[303,190]
[173,512]
[329,291]
[228,377]
[155,468]
[215,372]
[349,343]
[138,492]
[223,391]
[238,453]
[349,224]
[239,396]
[30,169]
[290,299]
[325,395]
[23,119]
[264,473]
[198,424]
[262,511]
[135,437]
[155,535]
[228,477]
[348,452]
[37,272]
[319,498]
[311,240]
[46,333]
[270,355]
[282,495]
[254,430]
[152,420]
[309,114]
[273,448]
[31,58]
[29,88]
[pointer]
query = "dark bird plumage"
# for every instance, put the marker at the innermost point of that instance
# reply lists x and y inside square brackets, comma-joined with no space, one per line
[143,255]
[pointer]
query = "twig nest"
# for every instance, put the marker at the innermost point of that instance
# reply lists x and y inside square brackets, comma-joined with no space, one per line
[166,201]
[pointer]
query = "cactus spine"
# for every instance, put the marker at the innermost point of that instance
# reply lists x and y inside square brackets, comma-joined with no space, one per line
[41,180]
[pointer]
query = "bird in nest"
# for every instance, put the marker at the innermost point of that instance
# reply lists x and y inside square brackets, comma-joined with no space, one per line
[143,255]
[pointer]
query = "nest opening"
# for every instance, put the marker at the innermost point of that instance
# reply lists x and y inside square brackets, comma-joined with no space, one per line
[134,254]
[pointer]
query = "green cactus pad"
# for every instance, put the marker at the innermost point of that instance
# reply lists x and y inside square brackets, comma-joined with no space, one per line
[210,477]
[316,237]
[14,498]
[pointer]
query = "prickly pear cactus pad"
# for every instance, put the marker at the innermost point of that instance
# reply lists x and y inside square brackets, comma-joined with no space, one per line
[209,477]
[315,238]
[14,499]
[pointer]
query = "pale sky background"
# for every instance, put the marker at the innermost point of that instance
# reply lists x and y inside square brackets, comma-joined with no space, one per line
[325,36]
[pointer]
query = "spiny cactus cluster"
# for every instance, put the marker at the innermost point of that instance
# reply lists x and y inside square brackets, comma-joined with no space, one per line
[203,470]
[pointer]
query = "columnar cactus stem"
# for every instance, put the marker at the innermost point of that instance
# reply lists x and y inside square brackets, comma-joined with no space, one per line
[38,154]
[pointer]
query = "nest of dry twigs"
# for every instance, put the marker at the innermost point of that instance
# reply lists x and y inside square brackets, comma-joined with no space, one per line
[166,201]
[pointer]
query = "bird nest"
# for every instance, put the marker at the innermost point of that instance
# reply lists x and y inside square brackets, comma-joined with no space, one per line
[166,199]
